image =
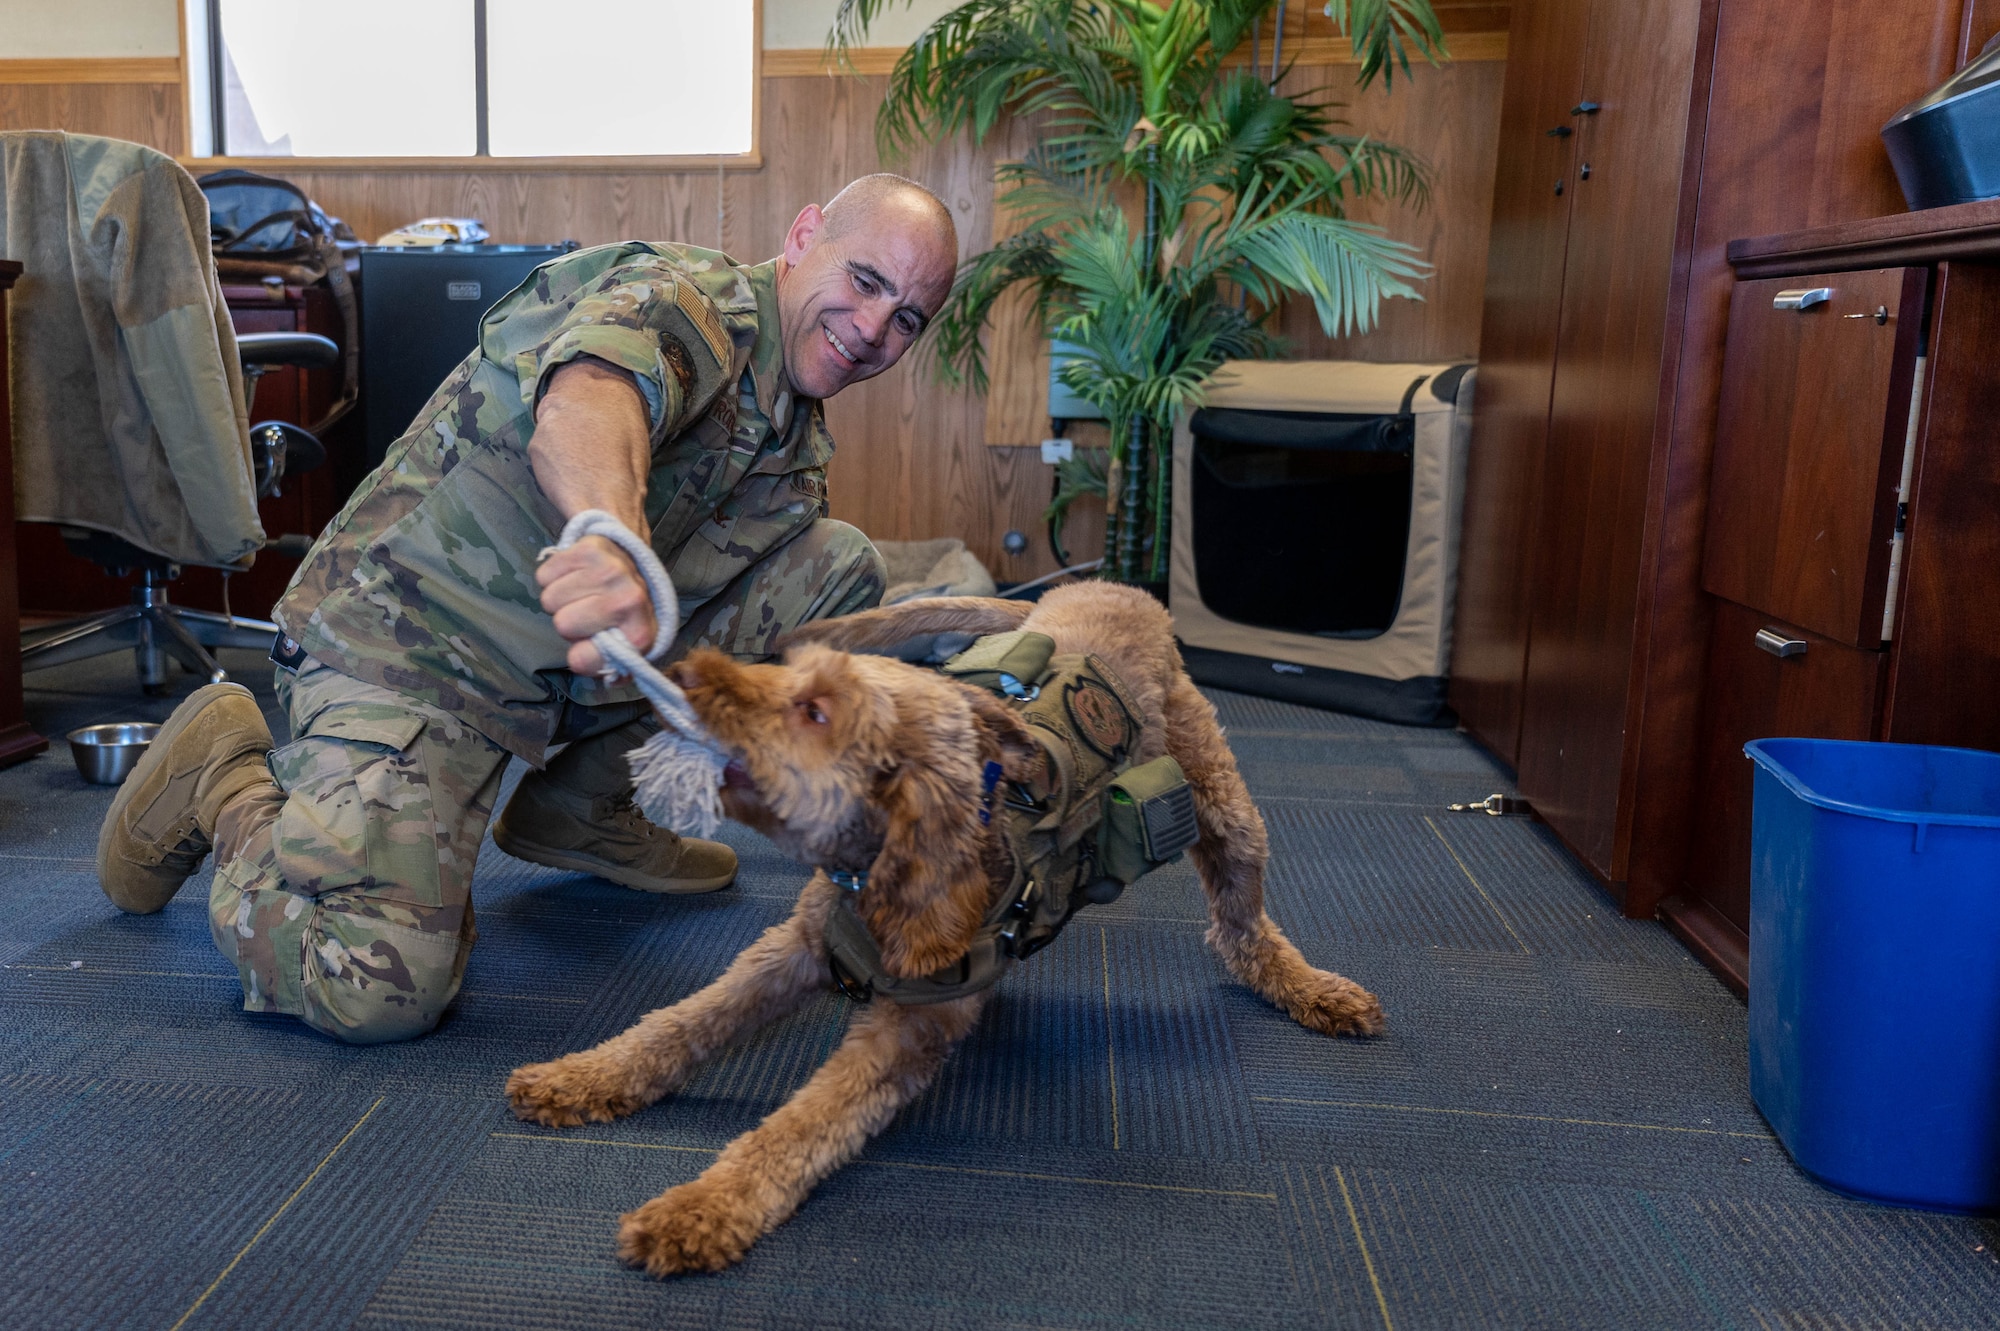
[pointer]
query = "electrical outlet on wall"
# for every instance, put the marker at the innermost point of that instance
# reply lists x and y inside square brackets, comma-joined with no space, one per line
[1057,450]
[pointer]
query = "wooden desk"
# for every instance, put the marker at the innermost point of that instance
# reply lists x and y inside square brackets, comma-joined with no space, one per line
[18,741]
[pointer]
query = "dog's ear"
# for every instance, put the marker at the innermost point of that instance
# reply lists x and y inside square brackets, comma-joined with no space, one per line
[928,889]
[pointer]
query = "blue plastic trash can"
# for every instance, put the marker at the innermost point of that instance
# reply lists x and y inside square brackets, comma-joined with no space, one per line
[1875,966]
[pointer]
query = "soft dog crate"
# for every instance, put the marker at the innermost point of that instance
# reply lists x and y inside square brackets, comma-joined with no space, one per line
[1315,547]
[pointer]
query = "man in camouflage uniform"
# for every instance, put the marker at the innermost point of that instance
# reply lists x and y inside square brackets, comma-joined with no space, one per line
[424,645]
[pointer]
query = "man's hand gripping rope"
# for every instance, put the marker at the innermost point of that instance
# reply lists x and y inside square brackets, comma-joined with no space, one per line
[678,772]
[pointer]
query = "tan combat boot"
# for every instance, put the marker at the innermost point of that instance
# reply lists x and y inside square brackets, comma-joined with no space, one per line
[162,821]
[578,814]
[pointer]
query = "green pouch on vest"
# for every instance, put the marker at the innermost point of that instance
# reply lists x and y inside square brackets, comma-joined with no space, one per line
[1010,663]
[1148,820]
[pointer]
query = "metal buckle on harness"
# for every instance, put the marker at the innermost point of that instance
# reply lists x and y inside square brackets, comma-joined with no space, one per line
[1018,691]
[1019,915]
[861,991]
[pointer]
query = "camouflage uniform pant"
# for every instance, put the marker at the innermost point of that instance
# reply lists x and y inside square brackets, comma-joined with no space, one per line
[349,903]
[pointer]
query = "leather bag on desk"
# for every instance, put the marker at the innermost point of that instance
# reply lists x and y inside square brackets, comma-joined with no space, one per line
[262,227]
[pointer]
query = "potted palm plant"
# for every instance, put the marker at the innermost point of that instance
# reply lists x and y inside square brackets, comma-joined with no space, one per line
[1173,201]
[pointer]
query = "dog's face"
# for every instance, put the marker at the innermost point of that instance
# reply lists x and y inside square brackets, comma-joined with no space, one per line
[864,763]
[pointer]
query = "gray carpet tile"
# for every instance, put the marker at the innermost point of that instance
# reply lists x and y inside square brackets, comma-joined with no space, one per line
[1468,1252]
[1187,1247]
[1555,1130]
[183,1174]
[1166,994]
[1041,1064]
[1814,1262]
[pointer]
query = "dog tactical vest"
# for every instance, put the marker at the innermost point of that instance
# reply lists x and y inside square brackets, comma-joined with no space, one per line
[1084,824]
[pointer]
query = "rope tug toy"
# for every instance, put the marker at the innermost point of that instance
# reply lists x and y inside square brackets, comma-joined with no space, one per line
[677,773]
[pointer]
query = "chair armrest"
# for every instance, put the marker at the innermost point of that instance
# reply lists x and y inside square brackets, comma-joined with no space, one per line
[307,349]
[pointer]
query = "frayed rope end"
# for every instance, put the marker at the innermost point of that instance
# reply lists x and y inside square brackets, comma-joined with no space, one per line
[678,783]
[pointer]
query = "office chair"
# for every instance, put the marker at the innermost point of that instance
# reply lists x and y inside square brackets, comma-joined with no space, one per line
[130,394]
[157,630]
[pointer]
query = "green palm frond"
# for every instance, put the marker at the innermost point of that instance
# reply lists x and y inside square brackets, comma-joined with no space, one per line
[1245,192]
[1347,268]
[1384,33]
[955,332]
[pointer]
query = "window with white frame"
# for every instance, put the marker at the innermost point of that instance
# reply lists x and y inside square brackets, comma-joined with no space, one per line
[472,78]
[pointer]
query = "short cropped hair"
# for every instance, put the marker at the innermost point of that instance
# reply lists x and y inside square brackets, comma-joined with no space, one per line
[863,198]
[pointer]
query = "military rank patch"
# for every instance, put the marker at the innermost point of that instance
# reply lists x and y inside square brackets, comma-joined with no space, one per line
[1099,719]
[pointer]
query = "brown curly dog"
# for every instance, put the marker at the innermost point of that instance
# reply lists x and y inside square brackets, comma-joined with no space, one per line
[865,763]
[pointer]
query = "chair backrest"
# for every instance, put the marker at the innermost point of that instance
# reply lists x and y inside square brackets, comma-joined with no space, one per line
[128,407]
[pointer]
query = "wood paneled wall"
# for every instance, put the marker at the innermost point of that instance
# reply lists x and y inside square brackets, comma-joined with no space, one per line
[149,113]
[913,459]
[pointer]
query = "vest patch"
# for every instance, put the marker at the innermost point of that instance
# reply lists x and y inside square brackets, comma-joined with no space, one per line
[1101,721]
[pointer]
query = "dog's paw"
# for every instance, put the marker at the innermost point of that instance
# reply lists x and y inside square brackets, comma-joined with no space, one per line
[1335,1005]
[694,1227]
[582,1088]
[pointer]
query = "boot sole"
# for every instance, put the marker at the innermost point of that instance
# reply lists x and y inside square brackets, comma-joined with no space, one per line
[611,873]
[135,780]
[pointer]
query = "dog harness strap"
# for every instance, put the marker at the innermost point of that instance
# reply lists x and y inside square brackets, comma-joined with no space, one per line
[1054,822]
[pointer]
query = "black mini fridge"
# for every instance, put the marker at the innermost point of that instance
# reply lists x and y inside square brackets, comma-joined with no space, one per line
[420,313]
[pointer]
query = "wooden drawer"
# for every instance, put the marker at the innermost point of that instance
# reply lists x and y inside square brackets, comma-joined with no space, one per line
[1814,413]
[1827,691]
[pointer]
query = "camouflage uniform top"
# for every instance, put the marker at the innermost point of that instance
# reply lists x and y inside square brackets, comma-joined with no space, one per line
[425,583]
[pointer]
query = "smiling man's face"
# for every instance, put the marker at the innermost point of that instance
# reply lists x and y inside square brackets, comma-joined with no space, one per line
[857,289]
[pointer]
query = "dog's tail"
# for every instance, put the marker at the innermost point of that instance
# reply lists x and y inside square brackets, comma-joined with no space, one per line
[873,630]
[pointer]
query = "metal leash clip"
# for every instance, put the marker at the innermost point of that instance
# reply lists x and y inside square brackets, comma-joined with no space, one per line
[1496,805]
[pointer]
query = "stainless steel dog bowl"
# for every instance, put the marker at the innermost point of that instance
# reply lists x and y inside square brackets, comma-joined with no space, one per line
[106,755]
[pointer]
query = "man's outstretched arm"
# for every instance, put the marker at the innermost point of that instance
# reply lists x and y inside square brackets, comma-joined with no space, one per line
[592,449]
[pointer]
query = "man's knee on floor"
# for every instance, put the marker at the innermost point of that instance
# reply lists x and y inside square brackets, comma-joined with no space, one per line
[369,981]
[334,961]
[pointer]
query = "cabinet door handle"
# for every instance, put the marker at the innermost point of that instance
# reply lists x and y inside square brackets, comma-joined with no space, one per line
[1585,109]
[1801,298]
[1779,645]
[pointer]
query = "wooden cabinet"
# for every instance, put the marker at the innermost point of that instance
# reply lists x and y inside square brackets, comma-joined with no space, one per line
[1573,348]
[1586,643]
[1821,689]
[1533,191]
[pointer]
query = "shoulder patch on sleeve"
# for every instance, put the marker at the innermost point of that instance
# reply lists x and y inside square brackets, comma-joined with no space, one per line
[701,314]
